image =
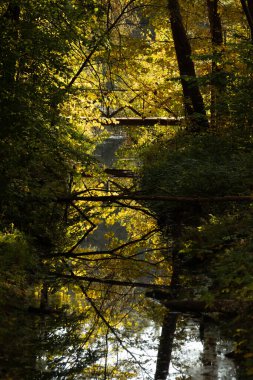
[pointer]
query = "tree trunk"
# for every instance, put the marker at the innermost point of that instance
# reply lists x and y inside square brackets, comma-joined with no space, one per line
[215,22]
[44,297]
[194,104]
[247,6]
[9,62]
[170,320]
[13,11]
[218,105]
[165,346]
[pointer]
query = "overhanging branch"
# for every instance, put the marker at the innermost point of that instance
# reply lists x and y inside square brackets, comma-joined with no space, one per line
[96,45]
[157,198]
[105,281]
[71,254]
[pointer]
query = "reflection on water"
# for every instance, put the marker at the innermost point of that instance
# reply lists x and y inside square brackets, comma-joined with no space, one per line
[199,357]
[190,356]
[47,351]
[106,152]
[69,346]
[138,357]
[196,354]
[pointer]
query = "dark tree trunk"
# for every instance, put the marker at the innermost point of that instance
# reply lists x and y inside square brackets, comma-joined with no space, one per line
[170,319]
[247,6]
[218,105]
[194,104]
[165,346]
[215,22]
[10,32]
[44,298]
[12,12]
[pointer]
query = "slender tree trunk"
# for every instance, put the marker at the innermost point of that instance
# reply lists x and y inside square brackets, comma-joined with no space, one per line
[170,319]
[193,100]
[44,297]
[250,7]
[218,105]
[165,346]
[247,6]
[215,22]
[12,14]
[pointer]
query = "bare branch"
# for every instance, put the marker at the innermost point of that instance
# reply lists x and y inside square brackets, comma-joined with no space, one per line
[106,252]
[141,209]
[110,328]
[105,281]
[93,226]
[157,198]
[101,316]
[96,45]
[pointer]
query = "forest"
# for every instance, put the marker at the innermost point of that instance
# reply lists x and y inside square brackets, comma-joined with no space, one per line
[126,179]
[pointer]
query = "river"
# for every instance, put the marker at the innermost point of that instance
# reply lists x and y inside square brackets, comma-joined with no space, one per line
[136,344]
[195,355]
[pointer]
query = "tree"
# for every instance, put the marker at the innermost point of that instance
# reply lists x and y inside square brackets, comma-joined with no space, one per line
[247,7]
[193,100]
[218,107]
[42,151]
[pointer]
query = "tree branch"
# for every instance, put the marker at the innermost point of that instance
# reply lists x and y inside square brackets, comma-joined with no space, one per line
[106,322]
[105,252]
[110,328]
[157,198]
[92,227]
[73,277]
[96,45]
